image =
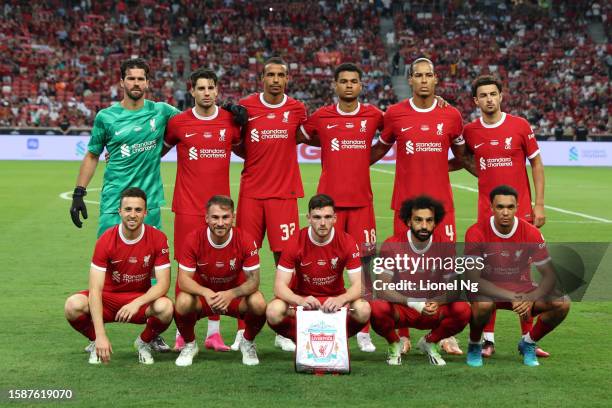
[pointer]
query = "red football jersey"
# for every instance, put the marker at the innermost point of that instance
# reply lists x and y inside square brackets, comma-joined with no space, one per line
[428,264]
[423,138]
[346,141]
[319,267]
[507,258]
[271,168]
[129,265]
[500,151]
[218,267]
[204,149]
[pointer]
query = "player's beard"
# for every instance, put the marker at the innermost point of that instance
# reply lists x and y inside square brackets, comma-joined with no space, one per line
[422,235]
[349,99]
[135,97]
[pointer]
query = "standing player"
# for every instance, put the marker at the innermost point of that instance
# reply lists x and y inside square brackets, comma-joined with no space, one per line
[509,245]
[424,133]
[316,259]
[445,319]
[204,136]
[132,131]
[500,144]
[210,269]
[345,132]
[271,183]
[125,258]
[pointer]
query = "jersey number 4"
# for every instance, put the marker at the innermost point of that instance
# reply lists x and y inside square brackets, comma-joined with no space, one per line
[450,233]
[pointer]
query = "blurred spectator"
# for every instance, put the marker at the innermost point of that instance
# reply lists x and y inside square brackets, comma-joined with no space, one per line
[582,132]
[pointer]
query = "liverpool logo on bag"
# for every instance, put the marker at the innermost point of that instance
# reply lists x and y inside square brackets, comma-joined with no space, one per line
[322,346]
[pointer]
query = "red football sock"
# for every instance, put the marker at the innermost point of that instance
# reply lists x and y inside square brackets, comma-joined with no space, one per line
[366,329]
[153,328]
[382,320]
[490,326]
[540,330]
[214,317]
[286,328]
[526,325]
[253,324]
[241,324]
[403,332]
[186,325]
[84,325]
[353,326]
[458,317]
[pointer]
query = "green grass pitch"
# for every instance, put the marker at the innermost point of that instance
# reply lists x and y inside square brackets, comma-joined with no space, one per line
[45,259]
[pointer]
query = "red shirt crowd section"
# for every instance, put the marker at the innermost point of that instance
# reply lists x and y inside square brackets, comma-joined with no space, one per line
[63,63]
[551,69]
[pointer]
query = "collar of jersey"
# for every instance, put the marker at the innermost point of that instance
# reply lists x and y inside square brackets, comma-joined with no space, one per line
[432,107]
[499,234]
[331,237]
[211,117]
[133,241]
[415,249]
[269,105]
[220,246]
[493,125]
[348,113]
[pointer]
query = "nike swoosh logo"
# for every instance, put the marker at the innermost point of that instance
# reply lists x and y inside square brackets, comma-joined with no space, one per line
[255,117]
[305,264]
[478,145]
[117,133]
[331,126]
[408,128]
[115,262]
[189,134]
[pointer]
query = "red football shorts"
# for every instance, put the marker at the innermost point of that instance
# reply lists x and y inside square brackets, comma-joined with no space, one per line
[359,222]
[410,317]
[447,228]
[183,225]
[233,310]
[278,217]
[113,301]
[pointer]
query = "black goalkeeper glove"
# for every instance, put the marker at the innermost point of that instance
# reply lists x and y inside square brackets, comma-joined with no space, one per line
[241,116]
[78,206]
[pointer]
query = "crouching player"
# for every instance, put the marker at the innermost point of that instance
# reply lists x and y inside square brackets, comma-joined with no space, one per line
[209,280]
[316,259]
[124,261]
[420,309]
[508,247]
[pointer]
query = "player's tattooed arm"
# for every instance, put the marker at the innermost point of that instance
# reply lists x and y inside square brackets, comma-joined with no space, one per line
[392,296]
[378,151]
[238,149]
[250,286]
[463,160]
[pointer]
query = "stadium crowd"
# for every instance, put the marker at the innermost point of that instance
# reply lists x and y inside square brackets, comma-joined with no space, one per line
[554,74]
[56,57]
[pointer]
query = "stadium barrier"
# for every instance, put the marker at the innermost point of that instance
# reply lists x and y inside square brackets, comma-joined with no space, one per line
[43,147]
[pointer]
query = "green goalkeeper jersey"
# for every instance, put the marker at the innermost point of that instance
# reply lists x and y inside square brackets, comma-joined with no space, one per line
[134,141]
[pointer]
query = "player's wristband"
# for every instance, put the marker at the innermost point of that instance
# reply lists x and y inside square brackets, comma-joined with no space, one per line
[79,191]
[418,306]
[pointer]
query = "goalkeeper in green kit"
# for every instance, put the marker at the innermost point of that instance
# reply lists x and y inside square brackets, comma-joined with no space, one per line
[132,132]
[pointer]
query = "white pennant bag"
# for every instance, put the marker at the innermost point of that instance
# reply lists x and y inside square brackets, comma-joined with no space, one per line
[322,342]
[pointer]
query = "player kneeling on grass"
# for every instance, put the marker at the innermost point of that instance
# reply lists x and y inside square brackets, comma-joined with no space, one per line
[126,257]
[317,257]
[418,308]
[209,279]
[508,247]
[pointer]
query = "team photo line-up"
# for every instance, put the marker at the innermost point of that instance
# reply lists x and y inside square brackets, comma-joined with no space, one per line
[216,246]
